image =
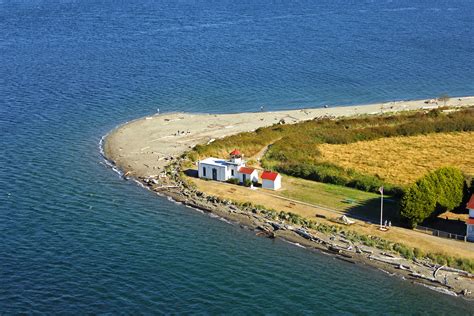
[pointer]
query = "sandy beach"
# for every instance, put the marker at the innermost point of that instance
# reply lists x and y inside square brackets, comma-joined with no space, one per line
[142,148]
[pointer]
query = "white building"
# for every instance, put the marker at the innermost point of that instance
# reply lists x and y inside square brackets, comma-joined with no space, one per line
[223,170]
[246,173]
[470,220]
[271,180]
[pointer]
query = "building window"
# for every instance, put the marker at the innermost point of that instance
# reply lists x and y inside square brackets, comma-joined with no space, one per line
[232,172]
[204,171]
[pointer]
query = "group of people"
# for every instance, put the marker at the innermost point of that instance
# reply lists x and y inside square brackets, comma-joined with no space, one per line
[182,133]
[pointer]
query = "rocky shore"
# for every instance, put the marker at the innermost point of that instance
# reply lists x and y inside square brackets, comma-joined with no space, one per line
[443,279]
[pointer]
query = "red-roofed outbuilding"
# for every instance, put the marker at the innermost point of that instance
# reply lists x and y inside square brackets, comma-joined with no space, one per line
[246,173]
[271,180]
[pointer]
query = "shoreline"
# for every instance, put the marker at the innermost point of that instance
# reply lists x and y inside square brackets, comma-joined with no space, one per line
[148,151]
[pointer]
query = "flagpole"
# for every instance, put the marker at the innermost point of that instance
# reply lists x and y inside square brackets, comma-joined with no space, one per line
[381,207]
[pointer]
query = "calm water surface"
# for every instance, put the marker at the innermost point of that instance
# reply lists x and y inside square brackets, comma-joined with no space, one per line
[74,237]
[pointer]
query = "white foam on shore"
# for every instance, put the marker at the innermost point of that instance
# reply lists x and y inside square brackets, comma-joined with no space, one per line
[438,289]
[107,162]
[294,243]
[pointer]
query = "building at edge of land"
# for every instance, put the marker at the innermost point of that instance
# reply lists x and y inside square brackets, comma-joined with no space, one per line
[271,180]
[470,220]
[222,170]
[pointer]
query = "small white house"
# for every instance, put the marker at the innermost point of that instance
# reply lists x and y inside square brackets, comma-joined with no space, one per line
[223,170]
[246,173]
[271,180]
[470,220]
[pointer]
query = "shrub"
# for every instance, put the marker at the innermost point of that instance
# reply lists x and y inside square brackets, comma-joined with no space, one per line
[233,181]
[247,183]
[418,253]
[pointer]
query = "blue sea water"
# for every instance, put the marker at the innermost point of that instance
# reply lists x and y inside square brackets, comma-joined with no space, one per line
[76,238]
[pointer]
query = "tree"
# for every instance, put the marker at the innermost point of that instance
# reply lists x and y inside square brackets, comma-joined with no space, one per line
[436,192]
[444,97]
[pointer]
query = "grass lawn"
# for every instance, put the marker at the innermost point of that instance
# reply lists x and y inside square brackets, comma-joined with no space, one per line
[352,201]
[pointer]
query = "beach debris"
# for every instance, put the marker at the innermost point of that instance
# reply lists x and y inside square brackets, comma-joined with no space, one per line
[421,276]
[435,272]
[346,221]
[363,249]
[303,233]
[344,259]
[276,226]
[388,260]
[402,267]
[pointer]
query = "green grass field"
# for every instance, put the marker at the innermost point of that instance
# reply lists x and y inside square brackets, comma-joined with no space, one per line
[355,202]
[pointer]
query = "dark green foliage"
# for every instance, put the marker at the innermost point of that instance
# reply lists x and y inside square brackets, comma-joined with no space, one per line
[406,252]
[233,181]
[247,183]
[436,192]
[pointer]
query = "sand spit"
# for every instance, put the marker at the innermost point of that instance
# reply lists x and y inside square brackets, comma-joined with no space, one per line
[142,149]
[144,146]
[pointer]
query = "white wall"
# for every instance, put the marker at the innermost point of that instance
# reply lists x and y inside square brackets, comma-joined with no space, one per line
[221,171]
[277,183]
[272,185]
[252,177]
[229,172]
[470,232]
[471,213]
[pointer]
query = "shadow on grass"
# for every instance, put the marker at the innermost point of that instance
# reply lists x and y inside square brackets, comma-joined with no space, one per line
[369,210]
[193,173]
[453,226]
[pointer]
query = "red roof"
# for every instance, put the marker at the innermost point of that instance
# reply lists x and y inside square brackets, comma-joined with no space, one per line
[269,175]
[470,204]
[235,152]
[246,170]
[470,221]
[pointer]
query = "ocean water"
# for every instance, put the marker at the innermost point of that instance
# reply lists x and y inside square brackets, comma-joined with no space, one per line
[75,238]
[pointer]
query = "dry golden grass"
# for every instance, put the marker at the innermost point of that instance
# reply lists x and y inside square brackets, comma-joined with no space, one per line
[403,160]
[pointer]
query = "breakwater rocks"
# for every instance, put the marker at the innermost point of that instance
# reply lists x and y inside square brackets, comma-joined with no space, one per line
[443,279]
